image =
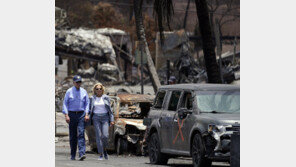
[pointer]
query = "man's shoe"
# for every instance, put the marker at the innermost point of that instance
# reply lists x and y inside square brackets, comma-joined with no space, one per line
[82,157]
[100,158]
[105,155]
[73,158]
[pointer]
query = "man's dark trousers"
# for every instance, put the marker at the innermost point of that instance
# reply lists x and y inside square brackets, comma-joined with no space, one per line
[76,125]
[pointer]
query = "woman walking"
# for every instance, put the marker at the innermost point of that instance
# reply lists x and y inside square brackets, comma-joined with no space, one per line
[102,117]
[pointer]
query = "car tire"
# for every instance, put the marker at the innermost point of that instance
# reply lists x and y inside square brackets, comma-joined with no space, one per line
[121,145]
[198,153]
[155,156]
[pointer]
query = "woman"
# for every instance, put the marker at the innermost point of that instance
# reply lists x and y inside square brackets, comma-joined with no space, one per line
[102,117]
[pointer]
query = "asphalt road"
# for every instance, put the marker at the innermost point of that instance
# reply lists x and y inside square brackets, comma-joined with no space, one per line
[62,159]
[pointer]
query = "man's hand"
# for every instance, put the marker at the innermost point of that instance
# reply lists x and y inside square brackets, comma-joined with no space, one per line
[67,118]
[86,118]
[111,123]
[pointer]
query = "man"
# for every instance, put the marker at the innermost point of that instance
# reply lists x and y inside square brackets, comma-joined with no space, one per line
[76,109]
[184,63]
[172,80]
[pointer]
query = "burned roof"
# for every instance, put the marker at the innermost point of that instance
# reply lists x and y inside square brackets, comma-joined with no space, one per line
[136,97]
[202,87]
[84,42]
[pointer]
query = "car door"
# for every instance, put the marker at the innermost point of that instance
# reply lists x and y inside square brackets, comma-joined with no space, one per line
[181,127]
[157,110]
[167,118]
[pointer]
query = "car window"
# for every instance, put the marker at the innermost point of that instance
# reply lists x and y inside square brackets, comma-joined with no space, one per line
[159,99]
[186,101]
[174,100]
[219,101]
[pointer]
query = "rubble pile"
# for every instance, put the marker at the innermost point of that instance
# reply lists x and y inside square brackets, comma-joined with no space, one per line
[86,73]
[107,73]
[197,74]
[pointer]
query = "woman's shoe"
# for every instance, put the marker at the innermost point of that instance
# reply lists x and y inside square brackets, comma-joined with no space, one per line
[101,157]
[82,158]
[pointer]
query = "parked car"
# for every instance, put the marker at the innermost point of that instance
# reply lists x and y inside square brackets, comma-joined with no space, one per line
[128,130]
[194,120]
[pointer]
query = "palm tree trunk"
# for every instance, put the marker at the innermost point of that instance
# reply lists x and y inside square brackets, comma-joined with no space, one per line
[141,37]
[186,14]
[207,42]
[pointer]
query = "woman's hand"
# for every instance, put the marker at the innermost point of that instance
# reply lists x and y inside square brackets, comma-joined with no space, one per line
[86,118]
[111,123]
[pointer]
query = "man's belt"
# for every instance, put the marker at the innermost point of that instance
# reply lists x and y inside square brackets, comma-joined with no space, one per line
[76,112]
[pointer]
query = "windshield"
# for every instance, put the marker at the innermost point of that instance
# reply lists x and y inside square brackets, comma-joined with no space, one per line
[219,101]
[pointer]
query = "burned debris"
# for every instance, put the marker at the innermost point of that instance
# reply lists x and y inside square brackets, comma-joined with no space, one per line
[107,72]
[91,51]
[186,67]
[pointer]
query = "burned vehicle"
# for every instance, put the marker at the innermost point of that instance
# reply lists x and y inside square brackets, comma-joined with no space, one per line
[196,120]
[127,134]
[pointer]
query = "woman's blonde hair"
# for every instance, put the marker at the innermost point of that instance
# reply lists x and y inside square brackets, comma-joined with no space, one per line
[98,84]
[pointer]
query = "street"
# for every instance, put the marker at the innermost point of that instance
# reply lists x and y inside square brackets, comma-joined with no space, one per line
[62,159]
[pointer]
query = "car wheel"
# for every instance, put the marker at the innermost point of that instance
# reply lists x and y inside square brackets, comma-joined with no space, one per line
[198,153]
[155,156]
[120,146]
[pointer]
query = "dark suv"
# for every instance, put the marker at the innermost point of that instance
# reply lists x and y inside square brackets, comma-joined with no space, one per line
[196,120]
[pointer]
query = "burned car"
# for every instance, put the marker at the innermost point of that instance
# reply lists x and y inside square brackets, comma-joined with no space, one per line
[128,130]
[196,120]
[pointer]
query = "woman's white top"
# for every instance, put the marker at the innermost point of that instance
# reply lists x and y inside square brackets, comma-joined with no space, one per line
[99,106]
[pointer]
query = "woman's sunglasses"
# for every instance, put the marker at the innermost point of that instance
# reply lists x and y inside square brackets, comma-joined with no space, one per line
[98,88]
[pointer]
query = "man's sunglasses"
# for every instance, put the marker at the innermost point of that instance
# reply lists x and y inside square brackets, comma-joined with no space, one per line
[79,82]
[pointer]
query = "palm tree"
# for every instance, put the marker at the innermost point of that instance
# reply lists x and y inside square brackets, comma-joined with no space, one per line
[207,42]
[142,38]
[164,10]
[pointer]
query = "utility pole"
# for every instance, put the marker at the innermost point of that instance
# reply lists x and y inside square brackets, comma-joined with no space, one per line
[219,50]
[234,50]
[168,71]
[142,82]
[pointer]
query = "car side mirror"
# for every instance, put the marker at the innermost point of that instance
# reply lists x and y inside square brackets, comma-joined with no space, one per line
[183,112]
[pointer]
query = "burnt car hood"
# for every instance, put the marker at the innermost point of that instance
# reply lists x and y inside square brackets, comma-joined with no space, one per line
[223,119]
[135,122]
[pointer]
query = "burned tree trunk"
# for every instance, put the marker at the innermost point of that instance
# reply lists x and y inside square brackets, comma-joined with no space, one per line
[141,37]
[186,14]
[207,42]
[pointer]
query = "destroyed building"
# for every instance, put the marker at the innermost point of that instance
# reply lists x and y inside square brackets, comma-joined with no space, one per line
[172,50]
[171,47]
[90,50]
[122,45]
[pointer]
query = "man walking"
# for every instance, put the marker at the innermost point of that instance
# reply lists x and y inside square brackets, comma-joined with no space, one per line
[76,109]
